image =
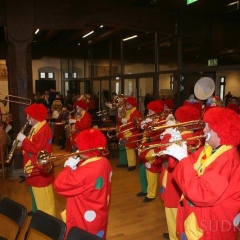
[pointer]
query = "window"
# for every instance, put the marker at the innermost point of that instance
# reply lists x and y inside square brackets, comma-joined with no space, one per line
[222,87]
[46,75]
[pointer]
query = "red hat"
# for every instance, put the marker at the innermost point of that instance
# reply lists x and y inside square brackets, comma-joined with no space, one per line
[157,106]
[82,104]
[187,113]
[89,139]
[226,123]
[169,103]
[37,111]
[132,101]
[233,107]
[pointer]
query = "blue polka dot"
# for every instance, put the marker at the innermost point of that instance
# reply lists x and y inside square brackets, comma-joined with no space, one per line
[29,155]
[183,236]
[162,189]
[100,234]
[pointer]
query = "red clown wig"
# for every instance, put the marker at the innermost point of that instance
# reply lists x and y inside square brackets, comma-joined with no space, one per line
[157,106]
[37,111]
[169,103]
[233,107]
[89,139]
[82,104]
[226,123]
[132,101]
[196,104]
[187,113]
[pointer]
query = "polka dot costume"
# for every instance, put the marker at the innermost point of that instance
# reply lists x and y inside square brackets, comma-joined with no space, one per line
[87,190]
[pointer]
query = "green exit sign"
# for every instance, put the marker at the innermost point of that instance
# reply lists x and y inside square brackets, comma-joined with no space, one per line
[191,1]
[212,62]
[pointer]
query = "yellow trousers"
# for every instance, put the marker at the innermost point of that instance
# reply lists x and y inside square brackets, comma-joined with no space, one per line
[171,217]
[152,181]
[131,157]
[44,199]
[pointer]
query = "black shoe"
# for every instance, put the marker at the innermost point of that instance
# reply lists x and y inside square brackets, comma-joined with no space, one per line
[141,194]
[30,213]
[131,168]
[146,199]
[122,166]
[166,236]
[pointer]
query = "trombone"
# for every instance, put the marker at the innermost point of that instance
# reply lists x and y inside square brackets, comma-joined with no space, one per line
[45,162]
[14,99]
[181,127]
[179,142]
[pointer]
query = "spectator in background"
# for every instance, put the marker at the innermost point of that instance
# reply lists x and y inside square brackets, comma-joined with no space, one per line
[227,98]
[3,135]
[148,98]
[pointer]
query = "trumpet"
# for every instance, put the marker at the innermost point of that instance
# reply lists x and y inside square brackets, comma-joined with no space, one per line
[179,142]
[132,125]
[45,162]
[14,99]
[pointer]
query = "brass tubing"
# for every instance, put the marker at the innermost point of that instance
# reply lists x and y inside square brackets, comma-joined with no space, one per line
[179,142]
[45,162]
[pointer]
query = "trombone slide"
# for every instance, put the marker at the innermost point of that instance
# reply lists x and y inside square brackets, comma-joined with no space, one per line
[142,148]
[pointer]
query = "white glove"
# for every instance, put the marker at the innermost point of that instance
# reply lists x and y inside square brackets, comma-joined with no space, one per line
[236,220]
[170,120]
[72,162]
[72,120]
[19,144]
[175,136]
[167,131]
[124,120]
[21,137]
[177,151]
[143,123]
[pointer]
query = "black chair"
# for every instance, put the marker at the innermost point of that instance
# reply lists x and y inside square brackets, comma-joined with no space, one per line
[47,225]
[76,233]
[14,211]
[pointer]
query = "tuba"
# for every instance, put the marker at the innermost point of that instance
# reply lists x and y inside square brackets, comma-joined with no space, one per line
[204,88]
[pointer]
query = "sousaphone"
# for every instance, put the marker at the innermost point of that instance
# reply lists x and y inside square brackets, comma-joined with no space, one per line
[204,88]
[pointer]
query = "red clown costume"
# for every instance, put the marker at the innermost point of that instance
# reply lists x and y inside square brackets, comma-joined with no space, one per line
[129,131]
[169,190]
[152,165]
[39,138]
[88,187]
[209,180]
[82,120]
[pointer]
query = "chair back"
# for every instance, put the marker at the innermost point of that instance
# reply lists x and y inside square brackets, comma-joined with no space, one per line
[14,211]
[48,225]
[76,233]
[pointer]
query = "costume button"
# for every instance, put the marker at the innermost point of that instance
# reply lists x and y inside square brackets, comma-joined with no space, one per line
[181,203]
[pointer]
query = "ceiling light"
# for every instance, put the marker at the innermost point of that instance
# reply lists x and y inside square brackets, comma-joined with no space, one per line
[101,26]
[88,34]
[134,36]
[36,31]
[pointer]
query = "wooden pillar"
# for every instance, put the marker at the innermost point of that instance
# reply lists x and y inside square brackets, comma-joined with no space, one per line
[19,36]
